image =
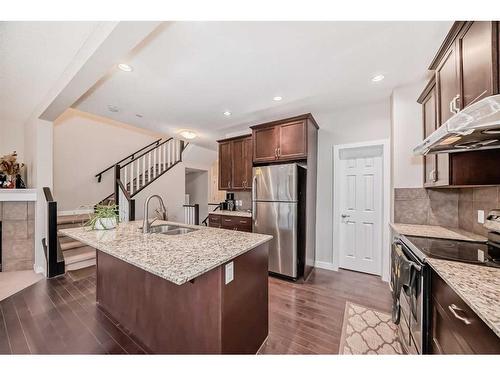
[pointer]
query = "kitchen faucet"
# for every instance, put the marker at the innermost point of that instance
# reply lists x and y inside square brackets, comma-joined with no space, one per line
[146,224]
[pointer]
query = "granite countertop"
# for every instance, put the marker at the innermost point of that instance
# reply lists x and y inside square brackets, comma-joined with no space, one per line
[176,258]
[478,286]
[435,231]
[232,213]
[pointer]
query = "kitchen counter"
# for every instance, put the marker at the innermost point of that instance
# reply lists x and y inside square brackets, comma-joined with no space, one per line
[478,286]
[177,258]
[231,213]
[202,292]
[435,231]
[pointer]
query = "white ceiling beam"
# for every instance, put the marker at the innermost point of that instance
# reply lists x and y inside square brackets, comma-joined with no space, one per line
[126,36]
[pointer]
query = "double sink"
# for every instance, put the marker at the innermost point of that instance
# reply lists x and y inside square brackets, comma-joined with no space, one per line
[170,229]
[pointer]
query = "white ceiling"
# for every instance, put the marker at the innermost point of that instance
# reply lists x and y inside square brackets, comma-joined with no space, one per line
[33,55]
[191,72]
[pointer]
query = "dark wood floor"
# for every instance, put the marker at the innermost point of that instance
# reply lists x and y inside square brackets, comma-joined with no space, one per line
[60,315]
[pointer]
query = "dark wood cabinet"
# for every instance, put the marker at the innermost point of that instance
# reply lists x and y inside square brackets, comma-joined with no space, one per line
[284,140]
[477,53]
[455,328]
[465,71]
[225,165]
[265,144]
[466,66]
[230,222]
[235,163]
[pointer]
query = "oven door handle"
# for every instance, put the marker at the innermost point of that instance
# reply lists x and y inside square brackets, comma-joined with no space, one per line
[412,263]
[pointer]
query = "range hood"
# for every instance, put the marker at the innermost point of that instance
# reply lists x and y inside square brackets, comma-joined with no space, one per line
[475,127]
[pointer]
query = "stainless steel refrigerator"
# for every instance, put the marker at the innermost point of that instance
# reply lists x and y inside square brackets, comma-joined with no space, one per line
[278,209]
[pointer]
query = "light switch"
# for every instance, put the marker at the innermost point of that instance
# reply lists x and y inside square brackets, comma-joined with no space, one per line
[480,216]
[229,272]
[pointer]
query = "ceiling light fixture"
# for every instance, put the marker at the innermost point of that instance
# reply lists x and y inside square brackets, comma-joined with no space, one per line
[188,134]
[277,98]
[125,67]
[227,113]
[138,115]
[378,78]
[113,108]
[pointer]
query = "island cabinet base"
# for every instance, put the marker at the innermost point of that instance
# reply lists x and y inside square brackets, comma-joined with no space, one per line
[204,315]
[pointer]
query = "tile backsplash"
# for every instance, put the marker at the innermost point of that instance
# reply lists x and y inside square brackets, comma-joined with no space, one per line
[456,208]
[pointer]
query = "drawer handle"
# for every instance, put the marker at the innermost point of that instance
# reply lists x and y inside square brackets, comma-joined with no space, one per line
[227,220]
[453,309]
[243,221]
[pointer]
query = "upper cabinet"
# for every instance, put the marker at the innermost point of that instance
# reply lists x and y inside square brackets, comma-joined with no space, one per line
[465,71]
[466,66]
[284,140]
[235,163]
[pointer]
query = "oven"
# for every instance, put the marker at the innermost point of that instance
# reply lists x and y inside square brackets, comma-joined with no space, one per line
[409,277]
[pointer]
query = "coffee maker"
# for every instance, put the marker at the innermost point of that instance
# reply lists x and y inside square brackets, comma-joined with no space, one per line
[230,202]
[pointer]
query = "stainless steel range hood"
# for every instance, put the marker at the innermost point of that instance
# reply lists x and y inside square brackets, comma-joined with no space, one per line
[475,127]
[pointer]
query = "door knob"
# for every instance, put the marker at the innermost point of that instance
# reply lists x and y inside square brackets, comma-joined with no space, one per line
[344,216]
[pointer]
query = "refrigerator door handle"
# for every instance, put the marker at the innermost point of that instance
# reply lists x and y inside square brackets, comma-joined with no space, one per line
[254,197]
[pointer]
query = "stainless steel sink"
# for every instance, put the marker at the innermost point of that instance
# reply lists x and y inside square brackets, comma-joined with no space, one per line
[170,229]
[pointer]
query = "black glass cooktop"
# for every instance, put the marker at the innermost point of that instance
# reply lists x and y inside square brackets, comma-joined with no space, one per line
[463,251]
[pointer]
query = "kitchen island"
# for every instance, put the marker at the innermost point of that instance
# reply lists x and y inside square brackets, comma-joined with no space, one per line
[205,291]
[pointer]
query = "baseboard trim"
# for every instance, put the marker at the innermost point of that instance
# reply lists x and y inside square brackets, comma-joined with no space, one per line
[325,265]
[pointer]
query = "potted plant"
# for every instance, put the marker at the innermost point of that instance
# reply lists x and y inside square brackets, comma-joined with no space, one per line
[104,217]
[10,168]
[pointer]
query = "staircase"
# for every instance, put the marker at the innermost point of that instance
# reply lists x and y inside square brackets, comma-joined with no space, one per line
[131,175]
[76,254]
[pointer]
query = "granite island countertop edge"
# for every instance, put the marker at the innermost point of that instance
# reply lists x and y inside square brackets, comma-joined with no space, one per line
[73,233]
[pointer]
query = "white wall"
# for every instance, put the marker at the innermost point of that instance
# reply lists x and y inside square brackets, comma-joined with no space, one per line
[406,132]
[12,139]
[197,184]
[85,144]
[350,125]
[171,187]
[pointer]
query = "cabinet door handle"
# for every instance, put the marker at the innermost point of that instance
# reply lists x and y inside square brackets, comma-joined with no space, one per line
[450,106]
[453,104]
[279,152]
[453,309]
[276,153]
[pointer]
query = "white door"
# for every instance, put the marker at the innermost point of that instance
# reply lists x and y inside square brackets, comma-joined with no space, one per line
[360,206]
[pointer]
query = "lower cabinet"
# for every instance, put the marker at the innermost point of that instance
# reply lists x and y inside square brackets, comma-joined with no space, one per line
[455,328]
[243,224]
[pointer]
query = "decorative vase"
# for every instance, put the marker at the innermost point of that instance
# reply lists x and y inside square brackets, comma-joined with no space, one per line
[10,182]
[105,223]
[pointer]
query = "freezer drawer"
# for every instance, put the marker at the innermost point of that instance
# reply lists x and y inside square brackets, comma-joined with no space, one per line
[279,219]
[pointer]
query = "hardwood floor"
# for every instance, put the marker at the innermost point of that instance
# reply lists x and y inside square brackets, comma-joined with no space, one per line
[60,315]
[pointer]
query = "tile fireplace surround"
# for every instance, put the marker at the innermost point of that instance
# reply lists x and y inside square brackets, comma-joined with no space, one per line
[455,208]
[18,244]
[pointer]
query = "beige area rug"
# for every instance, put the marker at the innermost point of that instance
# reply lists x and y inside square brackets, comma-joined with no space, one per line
[367,331]
[12,282]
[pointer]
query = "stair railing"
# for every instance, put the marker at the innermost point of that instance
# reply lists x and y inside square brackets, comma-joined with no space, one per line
[135,175]
[51,246]
[129,157]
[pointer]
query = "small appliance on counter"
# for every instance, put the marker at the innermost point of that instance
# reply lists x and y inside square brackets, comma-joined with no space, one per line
[230,202]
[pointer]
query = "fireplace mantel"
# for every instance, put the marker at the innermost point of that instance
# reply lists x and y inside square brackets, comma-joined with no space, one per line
[18,195]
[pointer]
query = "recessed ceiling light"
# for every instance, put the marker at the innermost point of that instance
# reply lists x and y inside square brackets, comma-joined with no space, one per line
[188,134]
[277,98]
[113,108]
[125,67]
[227,113]
[378,78]
[138,115]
